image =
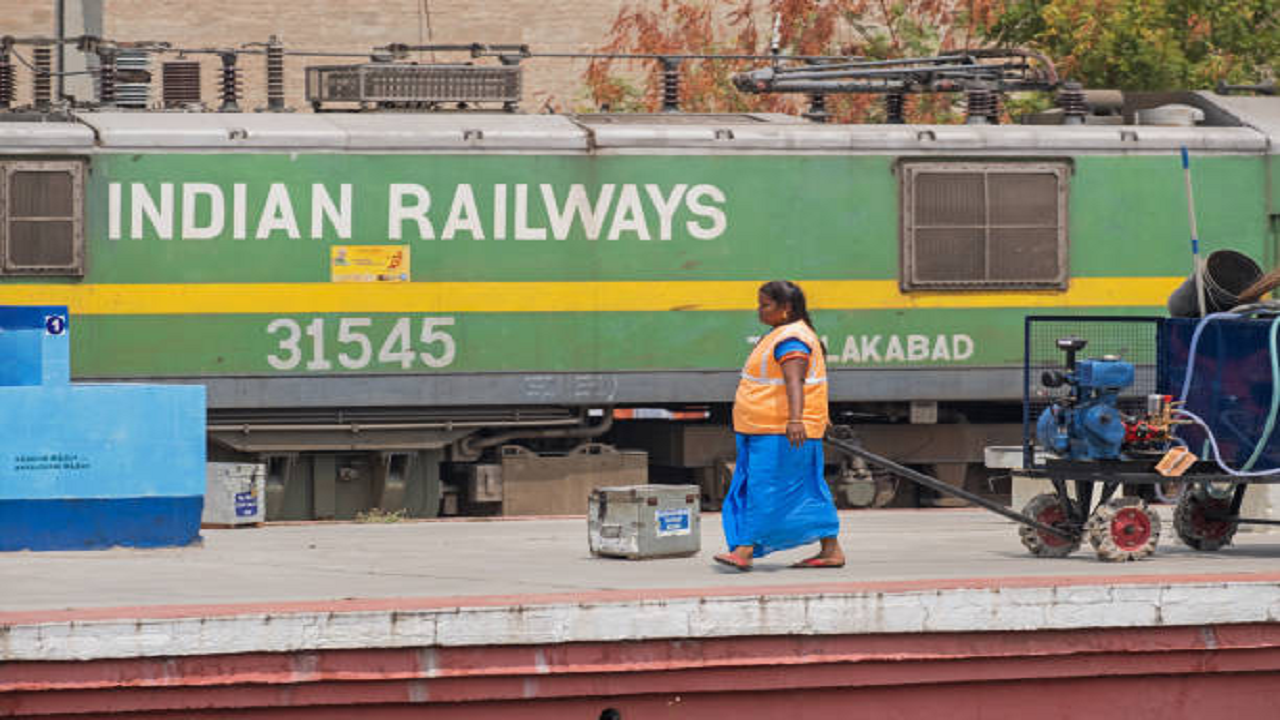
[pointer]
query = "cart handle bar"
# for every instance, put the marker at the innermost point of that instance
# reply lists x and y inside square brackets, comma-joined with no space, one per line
[936,484]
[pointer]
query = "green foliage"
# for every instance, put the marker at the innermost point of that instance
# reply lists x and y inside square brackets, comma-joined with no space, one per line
[613,93]
[1148,44]
[1028,103]
[378,515]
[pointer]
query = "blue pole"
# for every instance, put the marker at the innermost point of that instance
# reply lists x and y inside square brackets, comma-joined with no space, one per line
[1197,266]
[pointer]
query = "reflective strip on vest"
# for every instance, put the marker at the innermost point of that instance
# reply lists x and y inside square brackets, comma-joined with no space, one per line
[783,381]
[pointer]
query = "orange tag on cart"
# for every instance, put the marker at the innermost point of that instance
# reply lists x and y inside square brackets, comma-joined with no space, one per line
[1175,462]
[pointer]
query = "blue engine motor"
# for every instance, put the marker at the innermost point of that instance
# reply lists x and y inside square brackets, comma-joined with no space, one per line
[1086,425]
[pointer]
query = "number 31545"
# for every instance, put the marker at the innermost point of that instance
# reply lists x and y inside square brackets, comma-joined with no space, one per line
[353,347]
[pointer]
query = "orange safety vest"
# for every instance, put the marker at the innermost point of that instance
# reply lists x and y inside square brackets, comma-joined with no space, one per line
[760,407]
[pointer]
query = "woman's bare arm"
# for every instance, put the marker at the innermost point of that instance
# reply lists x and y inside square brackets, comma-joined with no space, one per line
[793,372]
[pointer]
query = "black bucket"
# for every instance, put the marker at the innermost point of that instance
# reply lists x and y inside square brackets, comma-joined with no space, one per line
[1227,273]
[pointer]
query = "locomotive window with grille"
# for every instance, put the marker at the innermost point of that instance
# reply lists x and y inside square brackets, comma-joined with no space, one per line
[42,231]
[970,226]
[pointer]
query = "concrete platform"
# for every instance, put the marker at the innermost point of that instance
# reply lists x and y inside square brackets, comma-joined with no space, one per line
[283,563]
[477,619]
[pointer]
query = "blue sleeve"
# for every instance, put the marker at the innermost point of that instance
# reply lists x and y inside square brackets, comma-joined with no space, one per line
[789,345]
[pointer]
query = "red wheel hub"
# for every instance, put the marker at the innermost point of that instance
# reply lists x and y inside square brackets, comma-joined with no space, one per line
[1130,528]
[1053,517]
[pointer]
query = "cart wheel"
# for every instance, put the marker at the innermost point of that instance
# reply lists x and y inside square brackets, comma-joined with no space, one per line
[1046,509]
[1193,521]
[1123,529]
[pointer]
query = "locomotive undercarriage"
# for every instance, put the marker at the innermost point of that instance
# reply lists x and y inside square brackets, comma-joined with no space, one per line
[329,463]
[324,463]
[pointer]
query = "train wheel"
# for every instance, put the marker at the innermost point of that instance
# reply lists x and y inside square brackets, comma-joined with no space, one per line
[1123,529]
[1195,521]
[861,488]
[876,492]
[1046,509]
[886,489]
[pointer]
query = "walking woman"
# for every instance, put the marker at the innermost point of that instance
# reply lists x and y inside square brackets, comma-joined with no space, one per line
[778,498]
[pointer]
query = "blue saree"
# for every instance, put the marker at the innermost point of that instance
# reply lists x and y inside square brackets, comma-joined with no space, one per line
[778,498]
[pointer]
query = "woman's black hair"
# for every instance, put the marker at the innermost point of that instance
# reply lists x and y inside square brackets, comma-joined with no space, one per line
[785,292]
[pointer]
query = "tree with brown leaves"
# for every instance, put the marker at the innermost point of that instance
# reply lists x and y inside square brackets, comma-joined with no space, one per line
[872,29]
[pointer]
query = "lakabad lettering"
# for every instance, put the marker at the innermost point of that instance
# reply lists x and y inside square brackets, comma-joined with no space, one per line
[906,349]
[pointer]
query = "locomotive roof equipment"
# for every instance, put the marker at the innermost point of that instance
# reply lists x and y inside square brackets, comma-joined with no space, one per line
[1001,70]
[389,82]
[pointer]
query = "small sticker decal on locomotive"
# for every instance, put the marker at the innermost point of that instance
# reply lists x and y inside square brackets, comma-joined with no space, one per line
[369,263]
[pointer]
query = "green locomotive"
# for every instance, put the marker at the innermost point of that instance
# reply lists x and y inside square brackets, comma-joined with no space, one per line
[369,295]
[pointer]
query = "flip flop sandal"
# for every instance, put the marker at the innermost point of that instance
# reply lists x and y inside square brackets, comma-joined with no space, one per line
[733,561]
[817,563]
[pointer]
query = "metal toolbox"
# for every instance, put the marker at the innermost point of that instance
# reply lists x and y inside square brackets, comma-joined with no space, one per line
[234,494]
[644,521]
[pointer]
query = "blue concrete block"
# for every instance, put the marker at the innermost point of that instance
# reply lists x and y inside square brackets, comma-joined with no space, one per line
[98,523]
[91,466]
[21,362]
[86,466]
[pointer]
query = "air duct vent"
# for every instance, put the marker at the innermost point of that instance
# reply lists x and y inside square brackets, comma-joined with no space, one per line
[133,79]
[181,83]
[396,85]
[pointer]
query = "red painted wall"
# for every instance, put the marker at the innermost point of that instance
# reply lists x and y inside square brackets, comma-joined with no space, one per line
[1226,671]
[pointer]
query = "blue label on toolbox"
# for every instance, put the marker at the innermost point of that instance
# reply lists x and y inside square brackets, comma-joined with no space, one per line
[246,504]
[673,522]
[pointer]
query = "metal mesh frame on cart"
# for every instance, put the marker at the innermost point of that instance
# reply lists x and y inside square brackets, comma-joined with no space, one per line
[1134,339]
[394,83]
